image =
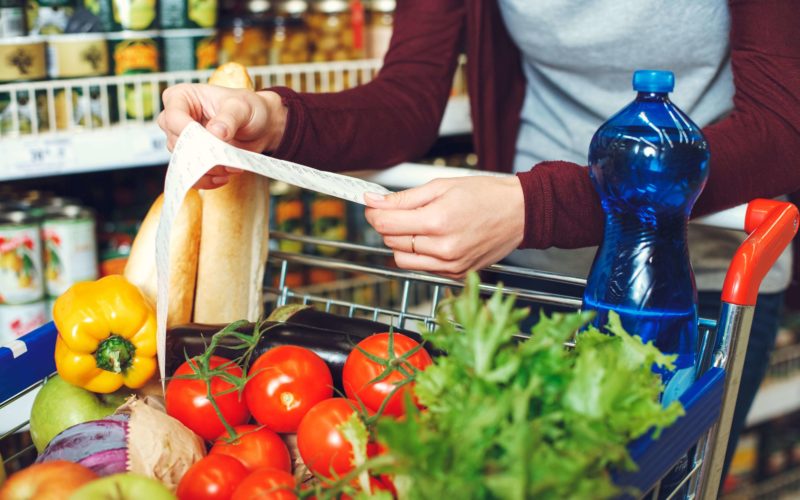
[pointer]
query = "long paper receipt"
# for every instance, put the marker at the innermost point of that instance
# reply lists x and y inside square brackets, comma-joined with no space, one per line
[198,151]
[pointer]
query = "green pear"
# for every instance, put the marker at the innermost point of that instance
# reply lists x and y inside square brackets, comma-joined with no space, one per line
[59,405]
[124,486]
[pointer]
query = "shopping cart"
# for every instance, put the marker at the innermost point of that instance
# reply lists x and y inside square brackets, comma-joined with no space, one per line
[410,299]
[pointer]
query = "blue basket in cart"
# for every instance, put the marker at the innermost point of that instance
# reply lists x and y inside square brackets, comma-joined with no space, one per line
[708,403]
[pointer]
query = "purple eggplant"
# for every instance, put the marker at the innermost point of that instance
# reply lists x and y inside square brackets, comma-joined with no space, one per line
[100,445]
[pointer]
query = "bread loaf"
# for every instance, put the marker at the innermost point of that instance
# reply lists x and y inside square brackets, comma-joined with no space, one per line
[234,237]
[184,246]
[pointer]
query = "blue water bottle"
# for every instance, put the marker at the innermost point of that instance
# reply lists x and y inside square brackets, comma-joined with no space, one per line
[649,163]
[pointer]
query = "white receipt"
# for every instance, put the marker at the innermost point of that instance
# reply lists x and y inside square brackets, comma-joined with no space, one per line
[196,152]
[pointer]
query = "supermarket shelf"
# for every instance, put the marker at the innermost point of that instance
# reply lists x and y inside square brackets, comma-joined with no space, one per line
[774,399]
[50,135]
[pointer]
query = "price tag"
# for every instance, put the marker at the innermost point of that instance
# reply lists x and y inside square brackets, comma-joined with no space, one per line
[52,155]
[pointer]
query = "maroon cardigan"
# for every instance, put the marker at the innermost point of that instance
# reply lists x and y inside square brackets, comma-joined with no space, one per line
[395,118]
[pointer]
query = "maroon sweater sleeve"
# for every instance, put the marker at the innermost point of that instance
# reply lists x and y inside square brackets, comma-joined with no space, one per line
[395,117]
[755,150]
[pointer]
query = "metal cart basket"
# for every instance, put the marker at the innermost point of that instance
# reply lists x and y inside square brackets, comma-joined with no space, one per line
[368,286]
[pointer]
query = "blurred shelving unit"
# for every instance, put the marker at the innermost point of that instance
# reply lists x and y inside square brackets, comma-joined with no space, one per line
[109,122]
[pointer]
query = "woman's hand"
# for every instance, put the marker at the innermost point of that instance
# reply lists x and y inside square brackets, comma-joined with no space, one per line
[254,121]
[451,226]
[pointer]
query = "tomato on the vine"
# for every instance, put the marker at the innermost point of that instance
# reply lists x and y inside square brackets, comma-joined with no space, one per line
[186,398]
[325,451]
[360,372]
[266,483]
[255,448]
[214,477]
[285,383]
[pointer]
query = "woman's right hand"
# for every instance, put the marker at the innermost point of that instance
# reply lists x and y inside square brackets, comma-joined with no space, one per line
[249,120]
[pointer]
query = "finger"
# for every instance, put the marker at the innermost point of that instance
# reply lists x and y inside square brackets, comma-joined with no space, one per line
[410,198]
[405,222]
[177,113]
[233,113]
[420,262]
[404,243]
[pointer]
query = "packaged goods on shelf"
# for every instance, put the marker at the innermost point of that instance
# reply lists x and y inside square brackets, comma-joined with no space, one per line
[135,14]
[48,17]
[70,248]
[743,468]
[21,114]
[77,55]
[244,37]
[136,52]
[189,49]
[182,14]
[380,23]
[328,221]
[290,41]
[24,59]
[12,18]
[288,214]
[83,110]
[336,28]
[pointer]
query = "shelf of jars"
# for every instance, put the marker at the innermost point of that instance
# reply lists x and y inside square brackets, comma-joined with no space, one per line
[78,125]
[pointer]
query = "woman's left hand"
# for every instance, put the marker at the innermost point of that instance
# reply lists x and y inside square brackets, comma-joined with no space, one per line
[451,226]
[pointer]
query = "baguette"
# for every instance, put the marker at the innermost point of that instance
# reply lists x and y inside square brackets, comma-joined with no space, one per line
[234,237]
[184,246]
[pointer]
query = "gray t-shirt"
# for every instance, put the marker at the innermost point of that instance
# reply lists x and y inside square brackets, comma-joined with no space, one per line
[578,59]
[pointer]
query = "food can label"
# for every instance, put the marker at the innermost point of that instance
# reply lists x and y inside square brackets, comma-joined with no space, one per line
[20,264]
[134,14]
[188,50]
[135,56]
[76,59]
[103,11]
[17,320]
[48,18]
[22,61]
[87,110]
[70,253]
[17,115]
[188,13]
[12,22]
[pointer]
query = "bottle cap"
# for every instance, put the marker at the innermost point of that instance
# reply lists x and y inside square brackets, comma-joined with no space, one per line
[649,80]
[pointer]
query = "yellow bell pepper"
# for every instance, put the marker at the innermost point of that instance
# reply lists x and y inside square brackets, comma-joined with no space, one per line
[106,335]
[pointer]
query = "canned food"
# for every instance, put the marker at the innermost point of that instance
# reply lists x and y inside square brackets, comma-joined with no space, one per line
[134,53]
[290,42]
[12,18]
[20,259]
[380,22]
[19,319]
[179,14]
[18,112]
[103,11]
[75,56]
[83,110]
[70,248]
[134,14]
[49,17]
[289,219]
[190,49]
[22,59]
[328,221]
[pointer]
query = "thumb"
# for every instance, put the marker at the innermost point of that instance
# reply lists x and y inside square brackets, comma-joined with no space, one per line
[234,114]
[404,200]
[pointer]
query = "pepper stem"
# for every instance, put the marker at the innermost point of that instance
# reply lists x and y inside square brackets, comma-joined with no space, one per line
[115,354]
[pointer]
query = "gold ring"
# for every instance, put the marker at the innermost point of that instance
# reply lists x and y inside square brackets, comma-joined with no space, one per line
[413,238]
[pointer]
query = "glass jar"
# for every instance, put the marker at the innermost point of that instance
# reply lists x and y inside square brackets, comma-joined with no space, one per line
[245,34]
[336,34]
[380,21]
[290,40]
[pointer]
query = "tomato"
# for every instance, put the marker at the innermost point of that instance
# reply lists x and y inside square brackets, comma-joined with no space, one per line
[324,450]
[186,400]
[359,371]
[214,477]
[255,448]
[266,483]
[286,382]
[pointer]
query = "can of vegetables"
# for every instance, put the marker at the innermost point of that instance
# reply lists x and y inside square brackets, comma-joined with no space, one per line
[179,14]
[20,259]
[190,49]
[70,246]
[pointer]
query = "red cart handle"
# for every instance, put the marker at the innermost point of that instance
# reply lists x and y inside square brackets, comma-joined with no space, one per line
[771,225]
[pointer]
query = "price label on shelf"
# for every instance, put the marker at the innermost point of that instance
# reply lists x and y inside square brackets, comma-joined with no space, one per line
[49,155]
